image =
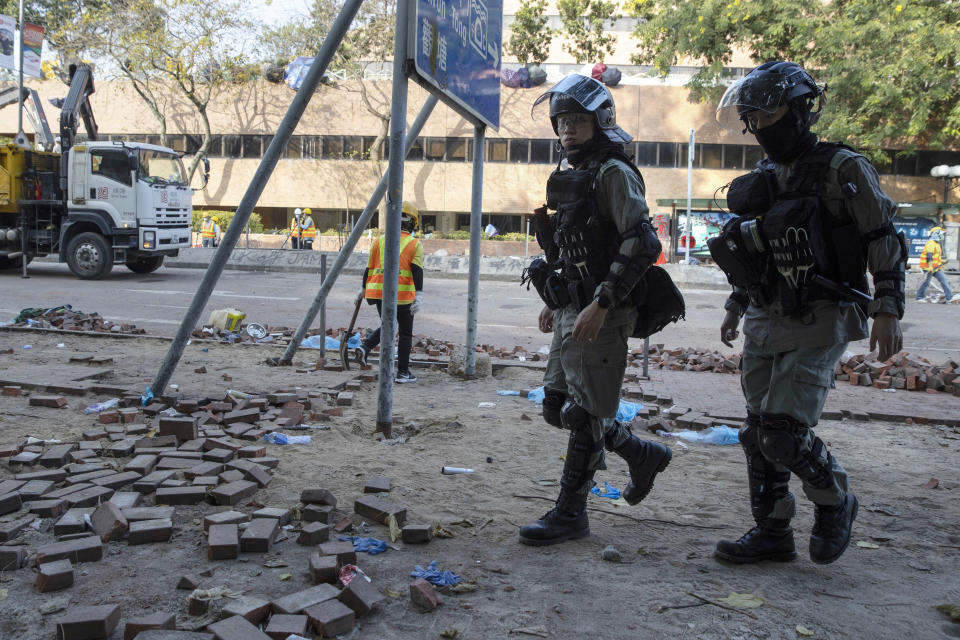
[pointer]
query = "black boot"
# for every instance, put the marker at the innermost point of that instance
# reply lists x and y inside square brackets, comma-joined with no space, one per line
[832,527]
[646,459]
[769,540]
[566,521]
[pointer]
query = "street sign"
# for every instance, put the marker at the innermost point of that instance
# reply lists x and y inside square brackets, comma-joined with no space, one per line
[456,48]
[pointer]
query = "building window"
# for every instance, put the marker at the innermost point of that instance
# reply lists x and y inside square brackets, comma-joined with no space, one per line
[193,143]
[520,151]
[711,156]
[428,223]
[435,148]
[496,150]
[153,140]
[312,147]
[733,156]
[463,222]
[540,151]
[332,147]
[667,154]
[353,148]
[370,152]
[177,143]
[252,146]
[752,155]
[294,148]
[232,147]
[416,151]
[646,154]
[458,149]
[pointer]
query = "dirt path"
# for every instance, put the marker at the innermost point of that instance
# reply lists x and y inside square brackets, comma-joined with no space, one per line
[565,591]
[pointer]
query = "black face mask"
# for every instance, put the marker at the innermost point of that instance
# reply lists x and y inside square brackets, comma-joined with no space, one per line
[786,139]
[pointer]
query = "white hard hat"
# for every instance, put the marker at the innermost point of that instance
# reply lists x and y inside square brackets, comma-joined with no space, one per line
[297,211]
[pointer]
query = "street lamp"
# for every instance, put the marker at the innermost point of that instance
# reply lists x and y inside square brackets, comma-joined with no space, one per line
[948,174]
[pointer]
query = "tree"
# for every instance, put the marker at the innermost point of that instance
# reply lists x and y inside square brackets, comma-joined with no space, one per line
[583,22]
[530,36]
[891,69]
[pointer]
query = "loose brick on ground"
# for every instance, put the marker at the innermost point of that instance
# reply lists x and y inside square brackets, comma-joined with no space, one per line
[344,551]
[252,451]
[89,497]
[324,569]
[218,455]
[181,495]
[10,530]
[150,483]
[54,475]
[297,602]
[268,462]
[233,492]
[314,533]
[108,522]
[35,489]
[56,456]
[318,496]
[164,634]
[331,618]
[84,623]
[416,533]
[188,583]
[183,428]
[379,509]
[12,558]
[53,576]
[126,499]
[224,517]
[423,595]
[345,399]
[361,596]
[54,402]
[117,480]
[136,514]
[222,542]
[10,502]
[376,484]
[236,628]
[9,486]
[282,625]
[142,464]
[27,458]
[156,442]
[259,535]
[88,476]
[316,513]
[168,463]
[243,415]
[254,609]
[147,531]
[139,624]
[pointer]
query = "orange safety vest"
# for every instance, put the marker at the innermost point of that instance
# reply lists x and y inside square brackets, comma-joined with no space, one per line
[932,247]
[411,253]
[207,229]
[310,230]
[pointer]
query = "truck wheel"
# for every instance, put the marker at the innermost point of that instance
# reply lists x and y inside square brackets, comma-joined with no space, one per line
[90,256]
[145,265]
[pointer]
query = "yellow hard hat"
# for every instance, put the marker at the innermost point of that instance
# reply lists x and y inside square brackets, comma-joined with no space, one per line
[306,211]
[409,210]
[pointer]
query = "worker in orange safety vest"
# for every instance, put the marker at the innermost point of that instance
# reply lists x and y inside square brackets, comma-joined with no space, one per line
[409,291]
[932,262]
[208,231]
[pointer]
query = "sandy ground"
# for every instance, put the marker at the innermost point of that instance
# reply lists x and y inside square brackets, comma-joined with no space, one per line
[564,591]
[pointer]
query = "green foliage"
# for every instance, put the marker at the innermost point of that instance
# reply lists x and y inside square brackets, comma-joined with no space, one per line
[892,69]
[583,22]
[223,219]
[529,34]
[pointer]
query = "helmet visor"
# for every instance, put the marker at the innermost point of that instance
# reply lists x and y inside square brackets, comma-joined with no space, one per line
[589,93]
[763,93]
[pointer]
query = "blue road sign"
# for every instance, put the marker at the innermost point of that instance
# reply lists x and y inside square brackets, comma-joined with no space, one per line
[457,50]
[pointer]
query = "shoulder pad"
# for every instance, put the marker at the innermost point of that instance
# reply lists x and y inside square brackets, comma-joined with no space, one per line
[841,155]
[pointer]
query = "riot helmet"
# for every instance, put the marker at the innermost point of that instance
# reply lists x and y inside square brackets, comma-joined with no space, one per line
[581,94]
[767,88]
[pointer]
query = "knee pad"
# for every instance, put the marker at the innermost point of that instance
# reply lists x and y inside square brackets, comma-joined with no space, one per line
[780,439]
[573,416]
[750,434]
[552,405]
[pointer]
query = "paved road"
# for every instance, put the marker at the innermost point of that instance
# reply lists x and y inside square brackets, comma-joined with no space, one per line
[507,313]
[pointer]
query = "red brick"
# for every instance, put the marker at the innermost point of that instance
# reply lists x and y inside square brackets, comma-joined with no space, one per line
[35,489]
[233,492]
[188,583]
[423,595]
[416,533]
[153,443]
[174,463]
[282,625]
[28,458]
[12,390]
[224,517]
[259,535]
[331,618]
[147,531]
[54,402]
[83,623]
[181,495]
[282,516]
[324,569]
[203,469]
[12,558]
[10,502]
[316,513]
[53,576]
[236,628]
[318,496]
[314,533]
[117,480]
[379,509]
[333,412]
[243,415]
[142,464]
[360,595]
[253,608]
[109,522]
[56,456]
[376,484]
[252,451]
[222,542]
[344,551]
[108,417]
[158,620]
[89,497]
[345,399]
[256,473]
[150,483]
[10,530]
[297,602]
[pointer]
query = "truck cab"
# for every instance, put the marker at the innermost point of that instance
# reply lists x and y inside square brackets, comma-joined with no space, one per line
[126,202]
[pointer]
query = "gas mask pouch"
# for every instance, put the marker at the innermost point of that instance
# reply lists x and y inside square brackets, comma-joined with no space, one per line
[752,194]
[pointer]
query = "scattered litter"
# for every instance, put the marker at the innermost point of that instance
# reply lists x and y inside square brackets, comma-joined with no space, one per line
[932,483]
[626,412]
[170,412]
[330,343]
[540,632]
[802,630]
[367,545]
[886,391]
[256,330]
[486,405]
[281,438]
[610,554]
[507,392]
[882,508]
[951,610]
[720,434]
[54,606]
[350,571]
[395,531]
[305,427]
[285,576]
[450,471]
[28,346]
[147,396]
[239,395]
[435,576]
[215,593]
[61,345]
[742,600]
[867,545]
[608,491]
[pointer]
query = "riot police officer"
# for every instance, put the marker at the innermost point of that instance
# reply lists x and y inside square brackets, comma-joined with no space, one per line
[602,242]
[812,220]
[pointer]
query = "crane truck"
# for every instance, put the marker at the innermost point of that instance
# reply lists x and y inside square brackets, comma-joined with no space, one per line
[95,203]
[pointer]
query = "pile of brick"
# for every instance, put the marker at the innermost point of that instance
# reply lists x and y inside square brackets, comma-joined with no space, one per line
[123,480]
[686,359]
[902,371]
[69,320]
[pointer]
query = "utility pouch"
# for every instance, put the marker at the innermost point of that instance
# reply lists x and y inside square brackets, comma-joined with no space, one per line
[543,231]
[752,194]
[658,304]
[742,268]
[850,256]
[539,274]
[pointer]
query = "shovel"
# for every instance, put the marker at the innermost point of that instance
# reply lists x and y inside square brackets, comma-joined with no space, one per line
[344,357]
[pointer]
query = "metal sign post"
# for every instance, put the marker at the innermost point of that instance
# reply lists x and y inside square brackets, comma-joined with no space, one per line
[687,231]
